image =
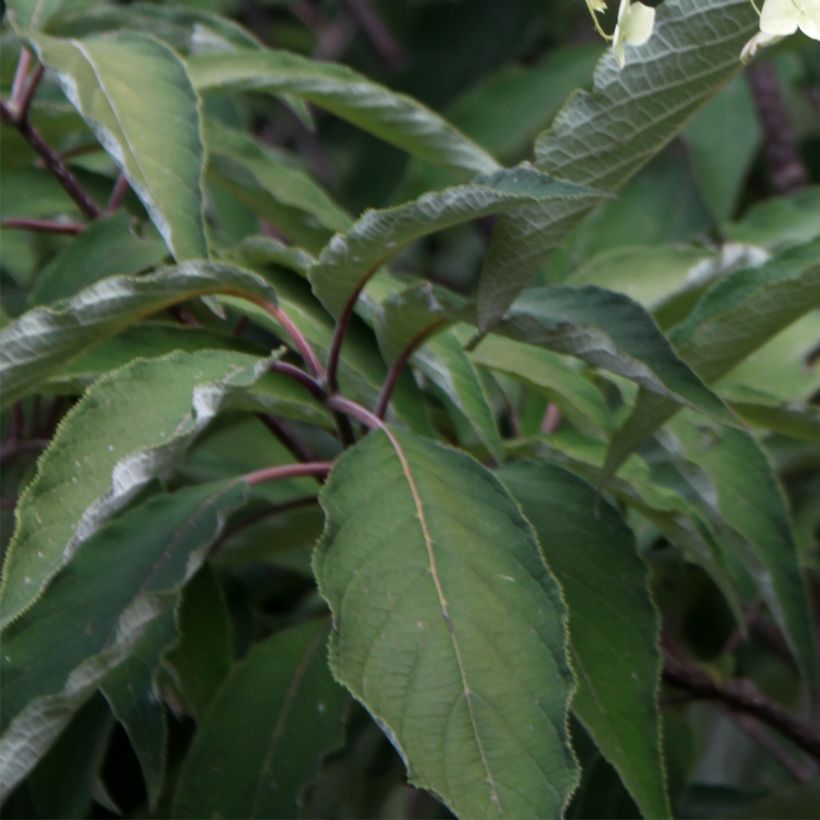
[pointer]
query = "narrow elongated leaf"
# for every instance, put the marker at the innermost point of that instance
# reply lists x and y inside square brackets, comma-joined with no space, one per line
[751,501]
[610,331]
[129,689]
[449,627]
[34,346]
[153,135]
[347,261]
[548,373]
[127,575]
[732,320]
[263,737]
[128,428]
[602,138]
[394,117]
[613,624]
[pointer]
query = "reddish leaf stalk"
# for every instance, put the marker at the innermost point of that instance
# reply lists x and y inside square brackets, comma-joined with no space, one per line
[317,469]
[398,366]
[43,226]
[302,344]
[118,193]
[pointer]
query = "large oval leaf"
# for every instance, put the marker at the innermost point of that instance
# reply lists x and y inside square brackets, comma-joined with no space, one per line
[152,131]
[448,625]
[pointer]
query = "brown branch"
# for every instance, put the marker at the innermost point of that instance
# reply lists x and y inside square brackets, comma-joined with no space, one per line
[42,226]
[743,696]
[787,172]
[118,193]
[52,161]
[398,366]
[28,95]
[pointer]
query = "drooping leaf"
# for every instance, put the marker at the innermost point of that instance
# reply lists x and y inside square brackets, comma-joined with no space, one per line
[733,319]
[449,627]
[261,251]
[107,247]
[609,330]
[202,659]
[604,137]
[154,135]
[34,346]
[127,575]
[613,624]
[33,14]
[751,501]
[394,117]
[350,258]
[265,733]
[130,690]
[131,425]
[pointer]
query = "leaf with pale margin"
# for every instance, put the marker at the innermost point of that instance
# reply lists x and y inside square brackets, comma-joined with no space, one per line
[52,663]
[751,501]
[610,331]
[449,627]
[602,138]
[152,133]
[129,427]
[350,258]
[263,737]
[613,625]
[32,14]
[394,117]
[734,318]
[36,345]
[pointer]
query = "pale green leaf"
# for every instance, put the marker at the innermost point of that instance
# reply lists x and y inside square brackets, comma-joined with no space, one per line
[130,426]
[265,733]
[151,130]
[733,319]
[779,222]
[350,258]
[394,117]
[610,331]
[604,137]
[614,626]
[449,627]
[35,346]
[32,14]
[52,663]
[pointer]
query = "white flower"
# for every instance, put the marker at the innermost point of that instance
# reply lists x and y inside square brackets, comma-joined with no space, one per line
[635,24]
[596,6]
[760,40]
[783,17]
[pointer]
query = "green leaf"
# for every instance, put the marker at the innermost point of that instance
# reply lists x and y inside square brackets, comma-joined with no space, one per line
[107,247]
[602,138]
[32,14]
[733,319]
[154,135]
[202,659]
[350,258]
[550,374]
[449,627]
[610,331]
[263,737]
[126,576]
[130,691]
[261,251]
[614,626]
[752,502]
[38,343]
[132,424]
[395,118]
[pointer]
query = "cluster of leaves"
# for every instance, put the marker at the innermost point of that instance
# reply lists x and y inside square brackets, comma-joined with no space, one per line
[503,488]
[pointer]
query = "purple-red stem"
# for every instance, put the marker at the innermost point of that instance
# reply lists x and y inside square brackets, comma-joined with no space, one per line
[340,331]
[299,375]
[398,366]
[302,344]
[29,92]
[19,81]
[118,193]
[43,226]
[356,411]
[317,469]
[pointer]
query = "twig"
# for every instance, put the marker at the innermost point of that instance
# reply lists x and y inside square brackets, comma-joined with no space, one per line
[52,161]
[281,431]
[317,469]
[43,226]
[118,193]
[28,95]
[786,169]
[19,81]
[398,366]
[743,696]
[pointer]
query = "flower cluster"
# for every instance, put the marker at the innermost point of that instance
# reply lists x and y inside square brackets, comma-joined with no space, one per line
[778,19]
